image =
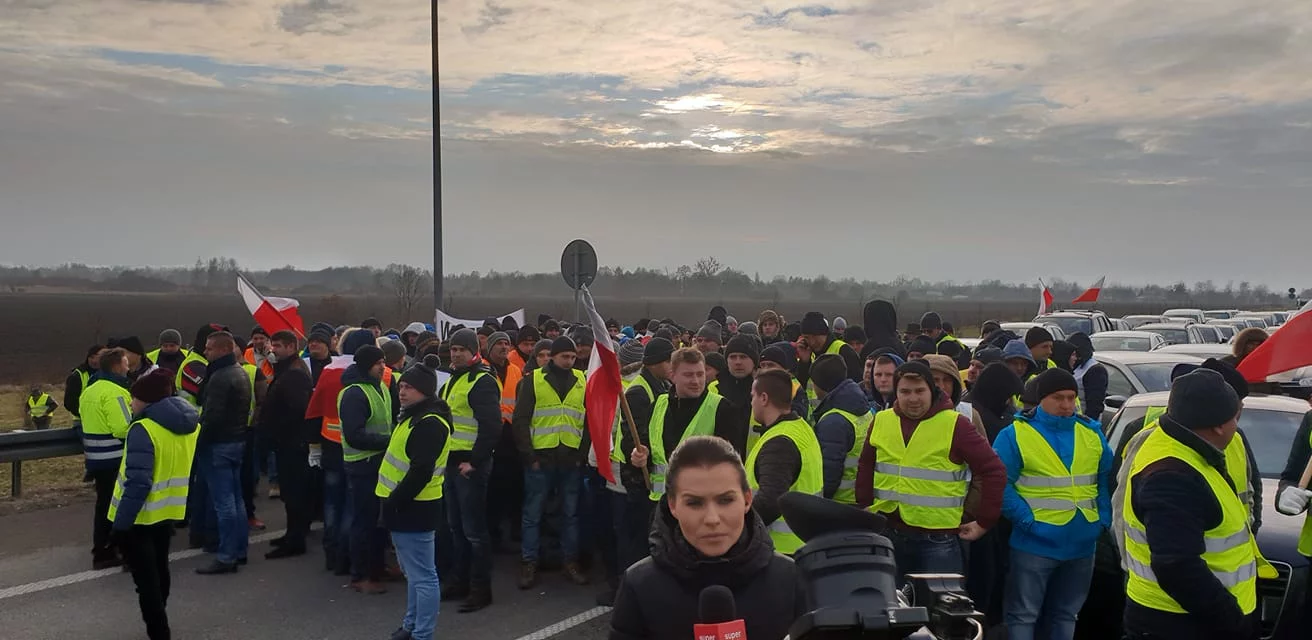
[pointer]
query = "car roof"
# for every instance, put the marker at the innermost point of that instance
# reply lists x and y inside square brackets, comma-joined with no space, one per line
[1124,334]
[1210,350]
[1145,357]
[1161,325]
[1070,314]
[1253,401]
[1182,310]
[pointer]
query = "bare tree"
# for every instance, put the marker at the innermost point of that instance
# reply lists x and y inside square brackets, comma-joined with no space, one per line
[409,285]
[708,267]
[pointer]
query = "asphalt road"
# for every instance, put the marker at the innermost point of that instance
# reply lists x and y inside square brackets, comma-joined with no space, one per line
[48,592]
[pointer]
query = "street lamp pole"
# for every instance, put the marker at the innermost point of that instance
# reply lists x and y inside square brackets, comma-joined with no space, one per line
[437,174]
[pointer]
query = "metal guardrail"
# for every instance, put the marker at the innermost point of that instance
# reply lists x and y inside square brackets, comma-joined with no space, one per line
[19,446]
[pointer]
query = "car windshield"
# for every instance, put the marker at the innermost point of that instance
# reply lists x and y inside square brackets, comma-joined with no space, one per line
[1172,336]
[1269,434]
[1155,376]
[1216,315]
[1071,325]
[1101,343]
[1135,321]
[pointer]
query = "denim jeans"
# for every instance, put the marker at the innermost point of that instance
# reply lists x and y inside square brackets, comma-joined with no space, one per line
[336,509]
[220,471]
[1044,596]
[367,538]
[414,551]
[537,485]
[466,513]
[917,552]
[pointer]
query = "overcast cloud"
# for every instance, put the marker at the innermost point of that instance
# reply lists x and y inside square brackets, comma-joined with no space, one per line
[934,138]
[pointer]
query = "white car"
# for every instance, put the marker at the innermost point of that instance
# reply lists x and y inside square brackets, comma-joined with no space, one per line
[1127,341]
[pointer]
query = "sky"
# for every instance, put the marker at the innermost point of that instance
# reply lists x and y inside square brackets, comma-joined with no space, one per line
[940,139]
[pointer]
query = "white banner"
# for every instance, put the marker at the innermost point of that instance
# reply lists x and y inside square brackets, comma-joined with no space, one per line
[442,323]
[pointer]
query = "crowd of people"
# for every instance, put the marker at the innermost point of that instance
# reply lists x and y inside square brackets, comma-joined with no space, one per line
[446,451]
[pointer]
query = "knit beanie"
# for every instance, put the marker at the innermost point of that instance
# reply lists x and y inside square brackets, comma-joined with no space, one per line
[716,361]
[924,345]
[156,385]
[498,336]
[529,334]
[840,325]
[393,351]
[563,344]
[827,371]
[1232,376]
[322,337]
[1037,336]
[465,338]
[930,321]
[259,331]
[583,336]
[324,327]
[664,333]
[749,328]
[711,331]
[485,331]
[658,350]
[745,345]
[781,353]
[368,356]
[631,353]
[814,324]
[355,340]
[988,355]
[1201,399]
[131,344]
[855,333]
[509,324]
[913,329]
[950,348]
[1053,380]
[422,376]
[989,326]
[540,346]
[170,336]
[550,325]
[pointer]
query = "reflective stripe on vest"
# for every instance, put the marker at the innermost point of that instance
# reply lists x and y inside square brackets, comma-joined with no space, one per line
[846,493]
[170,477]
[1236,459]
[38,407]
[1229,548]
[810,478]
[194,381]
[1053,492]
[251,371]
[918,478]
[557,421]
[106,413]
[396,462]
[378,423]
[456,394]
[702,424]
[616,454]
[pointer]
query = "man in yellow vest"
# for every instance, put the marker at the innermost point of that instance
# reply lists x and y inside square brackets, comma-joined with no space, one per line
[913,469]
[365,408]
[38,408]
[787,458]
[78,379]
[106,412]
[474,397]
[1186,545]
[842,428]
[816,341]
[549,432]
[170,354]
[1058,500]
[151,492]
[410,483]
[782,356]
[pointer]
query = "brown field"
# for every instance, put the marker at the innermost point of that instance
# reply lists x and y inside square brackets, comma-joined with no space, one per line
[46,483]
[49,332]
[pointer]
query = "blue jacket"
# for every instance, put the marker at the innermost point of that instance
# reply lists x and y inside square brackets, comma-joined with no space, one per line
[355,410]
[1077,538]
[835,432]
[172,413]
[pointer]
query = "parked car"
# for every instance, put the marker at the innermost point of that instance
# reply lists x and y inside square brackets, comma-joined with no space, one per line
[1175,333]
[1120,325]
[1127,341]
[1071,322]
[1226,327]
[1220,314]
[1281,317]
[1217,351]
[1191,314]
[1270,423]
[1262,320]
[1136,321]
[1210,334]
[1130,373]
[1019,328]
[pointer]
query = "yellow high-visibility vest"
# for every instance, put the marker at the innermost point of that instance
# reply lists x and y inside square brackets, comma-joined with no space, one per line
[702,424]
[557,421]
[810,479]
[861,424]
[1053,492]
[396,462]
[918,478]
[167,499]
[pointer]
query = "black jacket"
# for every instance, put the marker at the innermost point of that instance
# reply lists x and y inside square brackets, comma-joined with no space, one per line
[658,596]
[679,414]
[521,422]
[225,400]
[401,512]
[73,387]
[738,393]
[640,406]
[778,464]
[282,416]
[485,400]
[855,370]
[992,398]
[1176,506]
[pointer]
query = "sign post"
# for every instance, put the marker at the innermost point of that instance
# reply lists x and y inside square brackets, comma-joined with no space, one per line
[578,265]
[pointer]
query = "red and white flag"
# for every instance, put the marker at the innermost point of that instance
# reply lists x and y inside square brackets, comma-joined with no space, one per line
[1289,348]
[272,314]
[604,389]
[1045,298]
[1091,294]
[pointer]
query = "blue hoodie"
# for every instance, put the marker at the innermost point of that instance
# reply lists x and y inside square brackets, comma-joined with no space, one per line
[172,413]
[835,432]
[1077,538]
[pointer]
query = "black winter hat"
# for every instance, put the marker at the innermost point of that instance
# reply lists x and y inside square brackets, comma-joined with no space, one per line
[131,344]
[746,345]
[542,319]
[485,331]
[529,334]
[422,376]
[508,324]
[583,336]
[950,348]
[827,371]
[664,333]
[370,323]
[814,324]
[924,345]
[855,333]
[988,355]
[550,325]
[781,353]
[913,328]
[1232,376]
[1053,380]
[712,331]
[563,344]
[320,337]
[355,340]
[989,326]
[716,360]
[368,356]
[1037,336]
[930,320]
[542,345]
[658,350]
[1201,399]
[466,338]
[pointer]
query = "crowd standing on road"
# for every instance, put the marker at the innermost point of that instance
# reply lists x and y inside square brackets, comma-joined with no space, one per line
[425,457]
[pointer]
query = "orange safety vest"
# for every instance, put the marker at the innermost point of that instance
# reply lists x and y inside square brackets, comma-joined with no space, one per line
[332,421]
[266,368]
[510,389]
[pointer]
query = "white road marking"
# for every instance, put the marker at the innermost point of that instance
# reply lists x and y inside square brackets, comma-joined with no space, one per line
[566,624]
[84,576]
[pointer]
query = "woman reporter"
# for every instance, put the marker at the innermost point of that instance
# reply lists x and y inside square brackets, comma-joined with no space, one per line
[705,533]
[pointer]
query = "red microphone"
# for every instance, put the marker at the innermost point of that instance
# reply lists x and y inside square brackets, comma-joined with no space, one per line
[718,615]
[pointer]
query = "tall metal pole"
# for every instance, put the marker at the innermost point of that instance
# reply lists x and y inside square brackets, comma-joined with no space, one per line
[438,274]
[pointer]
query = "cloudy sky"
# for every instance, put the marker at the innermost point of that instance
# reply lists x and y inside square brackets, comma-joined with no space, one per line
[959,139]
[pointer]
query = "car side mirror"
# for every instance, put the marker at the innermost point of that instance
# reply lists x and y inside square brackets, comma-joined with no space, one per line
[1114,401]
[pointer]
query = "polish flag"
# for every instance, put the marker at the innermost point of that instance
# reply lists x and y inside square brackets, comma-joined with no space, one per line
[603,391]
[1091,294]
[1289,348]
[1045,298]
[323,400]
[273,314]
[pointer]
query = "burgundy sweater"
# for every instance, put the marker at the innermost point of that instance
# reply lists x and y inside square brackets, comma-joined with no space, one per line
[968,447]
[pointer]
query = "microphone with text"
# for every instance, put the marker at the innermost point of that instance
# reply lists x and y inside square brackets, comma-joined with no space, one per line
[718,615]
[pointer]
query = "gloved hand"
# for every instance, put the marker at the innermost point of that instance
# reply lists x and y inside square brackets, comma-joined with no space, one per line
[1293,501]
[316,456]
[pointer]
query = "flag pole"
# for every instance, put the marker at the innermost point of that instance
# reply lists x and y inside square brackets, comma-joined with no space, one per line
[637,442]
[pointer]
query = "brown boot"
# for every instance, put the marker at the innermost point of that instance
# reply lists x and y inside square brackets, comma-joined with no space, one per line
[528,574]
[575,573]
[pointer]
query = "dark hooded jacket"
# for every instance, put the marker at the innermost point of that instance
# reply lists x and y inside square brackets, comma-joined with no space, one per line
[992,395]
[881,328]
[138,474]
[282,416]
[658,596]
[835,432]
[738,393]
[1092,376]
[73,387]
[1061,354]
